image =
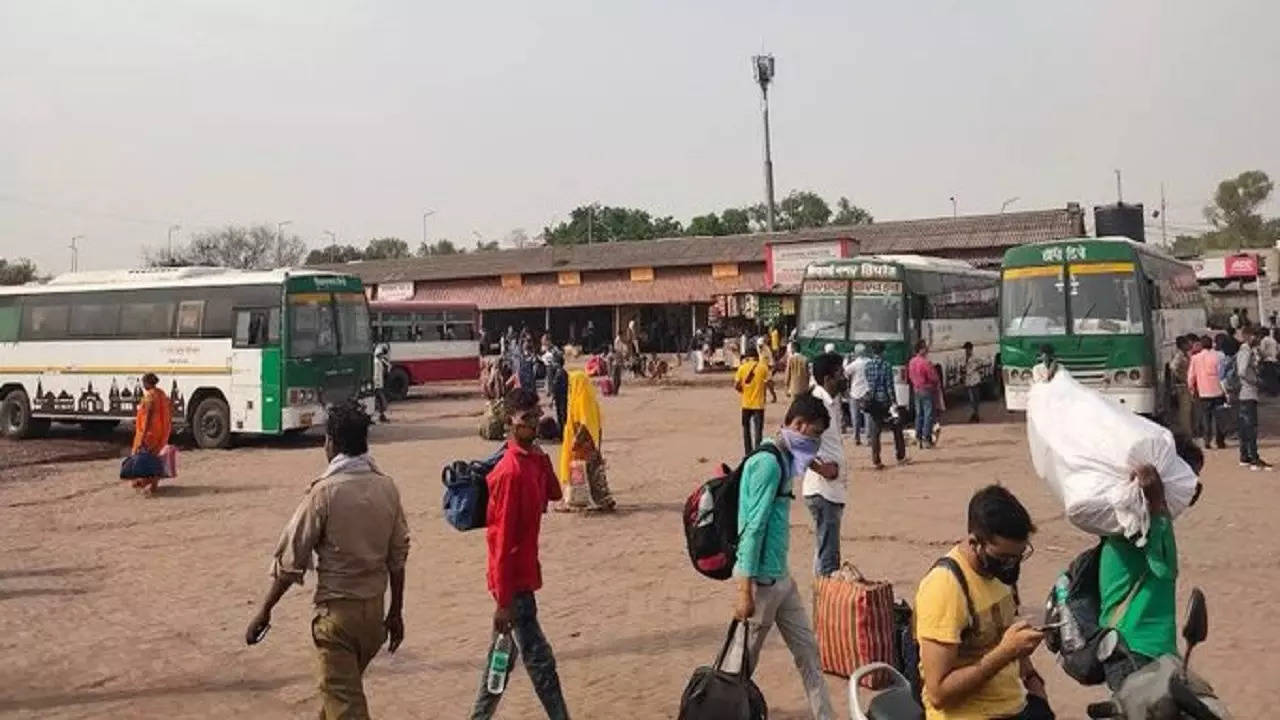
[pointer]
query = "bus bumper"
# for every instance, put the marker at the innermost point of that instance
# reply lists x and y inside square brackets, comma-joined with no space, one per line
[1138,400]
[302,416]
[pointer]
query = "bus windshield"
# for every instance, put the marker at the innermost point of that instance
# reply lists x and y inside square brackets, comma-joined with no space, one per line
[1105,300]
[353,324]
[311,325]
[824,309]
[1032,301]
[877,317]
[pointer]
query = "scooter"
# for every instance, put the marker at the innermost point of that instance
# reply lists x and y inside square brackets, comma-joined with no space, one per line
[896,702]
[1166,689]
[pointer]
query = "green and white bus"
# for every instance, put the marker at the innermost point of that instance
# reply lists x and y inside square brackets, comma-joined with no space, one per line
[238,352]
[898,300]
[1110,308]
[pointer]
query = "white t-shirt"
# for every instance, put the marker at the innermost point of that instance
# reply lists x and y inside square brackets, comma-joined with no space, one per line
[831,449]
[856,372]
[1268,348]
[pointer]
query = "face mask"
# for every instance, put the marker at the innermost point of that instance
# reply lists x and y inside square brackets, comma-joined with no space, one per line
[1007,574]
[803,449]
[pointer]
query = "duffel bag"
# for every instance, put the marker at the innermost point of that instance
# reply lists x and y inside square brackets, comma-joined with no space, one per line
[715,694]
[853,618]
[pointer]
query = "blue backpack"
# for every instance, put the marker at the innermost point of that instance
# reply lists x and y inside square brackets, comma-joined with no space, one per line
[466,492]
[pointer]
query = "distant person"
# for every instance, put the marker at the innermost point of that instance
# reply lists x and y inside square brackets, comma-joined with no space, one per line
[1205,383]
[352,521]
[767,594]
[1046,365]
[589,338]
[926,386]
[1247,374]
[153,423]
[766,362]
[972,382]
[1268,354]
[882,406]
[381,367]
[1236,321]
[582,444]
[855,373]
[526,369]
[797,378]
[975,654]
[826,479]
[520,486]
[775,339]
[1182,400]
[558,386]
[750,381]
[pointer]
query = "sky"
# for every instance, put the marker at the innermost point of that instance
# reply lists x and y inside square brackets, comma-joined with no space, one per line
[120,119]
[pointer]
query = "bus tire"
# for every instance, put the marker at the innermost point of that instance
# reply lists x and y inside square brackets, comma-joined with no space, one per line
[15,417]
[397,385]
[211,424]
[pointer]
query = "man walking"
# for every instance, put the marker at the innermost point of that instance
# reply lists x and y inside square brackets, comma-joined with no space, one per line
[1204,382]
[520,486]
[767,595]
[882,406]
[797,378]
[972,381]
[1178,366]
[750,381]
[352,521]
[825,482]
[855,373]
[925,386]
[1247,373]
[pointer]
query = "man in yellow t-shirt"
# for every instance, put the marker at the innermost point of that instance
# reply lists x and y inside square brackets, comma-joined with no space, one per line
[750,381]
[974,651]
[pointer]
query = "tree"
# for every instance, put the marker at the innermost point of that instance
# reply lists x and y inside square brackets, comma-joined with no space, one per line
[603,223]
[234,246]
[803,209]
[335,254]
[439,247]
[490,246]
[1234,210]
[849,214]
[735,221]
[17,272]
[386,248]
[708,224]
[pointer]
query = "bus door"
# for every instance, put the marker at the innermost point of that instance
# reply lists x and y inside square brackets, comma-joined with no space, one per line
[255,371]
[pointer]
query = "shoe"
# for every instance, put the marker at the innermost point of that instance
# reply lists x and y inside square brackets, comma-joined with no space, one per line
[1245,463]
[1254,468]
[904,461]
[1222,445]
[878,466]
[1262,465]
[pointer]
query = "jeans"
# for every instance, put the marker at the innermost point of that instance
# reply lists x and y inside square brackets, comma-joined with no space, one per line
[826,533]
[860,421]
[779,604]
[877,415]
[752,430]
[975,400]
[1248,431]
[924,418]
[538,662]
[1208,422]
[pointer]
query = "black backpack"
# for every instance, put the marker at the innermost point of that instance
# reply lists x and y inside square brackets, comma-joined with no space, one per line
[466,490]
[1082,607]
[907,655]
[711,517]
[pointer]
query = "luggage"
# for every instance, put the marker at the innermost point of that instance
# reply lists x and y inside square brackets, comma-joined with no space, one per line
[595,366]
[853,619]
[1226,420]
[604,385]
[906,656]
[711,518]
[169,461]
[1089,467]
[493,423]
[1081,606]
[578,492]
[713,694]
[141,465]
[466,491]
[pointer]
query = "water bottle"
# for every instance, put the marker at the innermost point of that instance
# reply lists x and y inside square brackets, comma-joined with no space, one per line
[499,664]
[1072,640]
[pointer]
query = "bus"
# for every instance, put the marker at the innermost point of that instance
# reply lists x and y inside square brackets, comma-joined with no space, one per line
[1110,308]
[238,352]
[899,300]
[428,342]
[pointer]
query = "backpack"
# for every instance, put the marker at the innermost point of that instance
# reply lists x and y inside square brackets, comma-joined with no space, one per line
[466,492]
[1081,607]
[907,652]
[711,517]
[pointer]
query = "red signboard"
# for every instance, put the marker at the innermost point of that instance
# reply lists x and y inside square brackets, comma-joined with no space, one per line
[1241,266]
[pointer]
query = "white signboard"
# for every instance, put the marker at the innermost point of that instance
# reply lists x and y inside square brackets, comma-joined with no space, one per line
[395,291]
[788,260]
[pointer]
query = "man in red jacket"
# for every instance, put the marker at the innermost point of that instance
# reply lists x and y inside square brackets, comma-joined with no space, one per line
[520,486]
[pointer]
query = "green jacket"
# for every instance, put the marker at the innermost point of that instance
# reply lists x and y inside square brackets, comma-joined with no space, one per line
[764,512]
[1149,625]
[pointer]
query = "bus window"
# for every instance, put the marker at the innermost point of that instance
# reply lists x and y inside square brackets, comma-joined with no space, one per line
[251,328]
[10,319]
[1105,300]
[311,330]
[1033,303]
[146,319]
[877,317]
[824,309]
[190,318]
[353,324]
[95,320]
[44,322]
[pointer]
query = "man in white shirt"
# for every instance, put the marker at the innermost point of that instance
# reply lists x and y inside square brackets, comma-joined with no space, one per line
[824,482]
[1268,347]
[972,381]
[856,375]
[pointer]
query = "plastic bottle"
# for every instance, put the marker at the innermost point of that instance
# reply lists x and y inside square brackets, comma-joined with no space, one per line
[499,664]
[1072,640]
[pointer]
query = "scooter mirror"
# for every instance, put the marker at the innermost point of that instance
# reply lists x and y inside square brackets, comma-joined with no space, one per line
[1196,628]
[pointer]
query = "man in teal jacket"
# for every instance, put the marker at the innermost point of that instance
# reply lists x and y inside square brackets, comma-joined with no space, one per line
[767,594]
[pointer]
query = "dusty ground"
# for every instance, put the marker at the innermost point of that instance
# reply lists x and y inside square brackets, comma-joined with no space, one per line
[116,606]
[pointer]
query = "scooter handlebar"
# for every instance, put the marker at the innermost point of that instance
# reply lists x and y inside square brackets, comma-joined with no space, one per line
[1102,710]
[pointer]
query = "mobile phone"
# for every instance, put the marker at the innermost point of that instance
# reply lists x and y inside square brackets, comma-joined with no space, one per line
[1049,626]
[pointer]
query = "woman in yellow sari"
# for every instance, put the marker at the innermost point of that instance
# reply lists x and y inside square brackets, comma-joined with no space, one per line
[581,465]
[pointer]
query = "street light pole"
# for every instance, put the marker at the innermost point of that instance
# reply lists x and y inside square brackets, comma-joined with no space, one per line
[426,214]
[764,70]
[75,253]
[953,207]
[280,241]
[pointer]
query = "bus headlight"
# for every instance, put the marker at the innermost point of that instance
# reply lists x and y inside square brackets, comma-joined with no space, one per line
[303,396]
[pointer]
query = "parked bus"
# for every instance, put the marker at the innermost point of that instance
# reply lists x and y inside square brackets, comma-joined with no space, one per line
[898,300]
[1109,307]
[238,352]
[429,342]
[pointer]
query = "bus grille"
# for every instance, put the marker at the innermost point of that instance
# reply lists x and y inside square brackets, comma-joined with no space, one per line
[1085,368]
[338,388]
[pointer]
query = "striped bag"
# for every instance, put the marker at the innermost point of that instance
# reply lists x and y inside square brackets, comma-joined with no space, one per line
[853,618]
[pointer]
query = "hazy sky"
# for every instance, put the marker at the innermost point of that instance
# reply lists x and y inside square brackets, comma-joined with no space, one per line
[120,118]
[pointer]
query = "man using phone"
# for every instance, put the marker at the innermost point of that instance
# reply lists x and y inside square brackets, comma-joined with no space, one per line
[975,655]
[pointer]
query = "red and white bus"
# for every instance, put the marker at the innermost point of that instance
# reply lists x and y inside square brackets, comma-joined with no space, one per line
[429,342]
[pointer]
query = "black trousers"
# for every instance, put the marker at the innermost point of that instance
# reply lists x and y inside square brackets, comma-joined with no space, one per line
[879,416]
[752,430]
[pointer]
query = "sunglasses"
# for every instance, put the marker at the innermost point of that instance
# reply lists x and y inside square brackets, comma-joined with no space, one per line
[1010,560]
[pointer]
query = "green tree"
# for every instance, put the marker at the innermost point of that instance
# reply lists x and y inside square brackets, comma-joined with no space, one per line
[386,248]
[335,254]
[849,214]
[490,246]
[735,221]
[439,247]
[604,223]
[1234,211]
[803,209]
[242,247]
[17,272]
[708,224]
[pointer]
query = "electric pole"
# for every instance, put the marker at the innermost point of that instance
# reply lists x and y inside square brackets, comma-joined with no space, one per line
[764,70]
[1119,193]
[75,253]
[426,214]
[280,241]
[1164,233]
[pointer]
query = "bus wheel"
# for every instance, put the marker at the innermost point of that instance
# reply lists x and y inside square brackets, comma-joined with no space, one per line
[15,417]
[211,424]
[397,387]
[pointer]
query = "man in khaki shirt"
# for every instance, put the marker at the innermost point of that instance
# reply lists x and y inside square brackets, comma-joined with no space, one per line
[352,521]
[797,380]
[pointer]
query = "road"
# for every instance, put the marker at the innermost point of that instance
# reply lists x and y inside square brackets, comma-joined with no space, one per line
[116,605]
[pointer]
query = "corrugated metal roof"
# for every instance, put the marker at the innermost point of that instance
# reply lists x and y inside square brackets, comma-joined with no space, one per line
[932,235]
[683,288]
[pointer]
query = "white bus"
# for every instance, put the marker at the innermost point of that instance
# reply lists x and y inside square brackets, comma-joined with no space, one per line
[428,342]
[237,352]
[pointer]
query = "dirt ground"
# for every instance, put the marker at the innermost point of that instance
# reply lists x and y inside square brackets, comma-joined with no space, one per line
[116,606]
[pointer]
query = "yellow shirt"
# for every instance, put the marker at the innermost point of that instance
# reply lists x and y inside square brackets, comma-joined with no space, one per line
[766,356]
[753,389]
[941,616]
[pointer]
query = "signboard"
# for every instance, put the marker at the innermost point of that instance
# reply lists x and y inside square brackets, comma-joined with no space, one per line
[1228,266]
[724,270]
[1240,266]
[513,280]
[642,274]
[876,287]
[568,277]
[854,270]
[395,290]
[787,261]
[826,287]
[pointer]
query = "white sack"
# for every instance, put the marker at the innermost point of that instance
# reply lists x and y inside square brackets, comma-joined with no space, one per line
[1085,447]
